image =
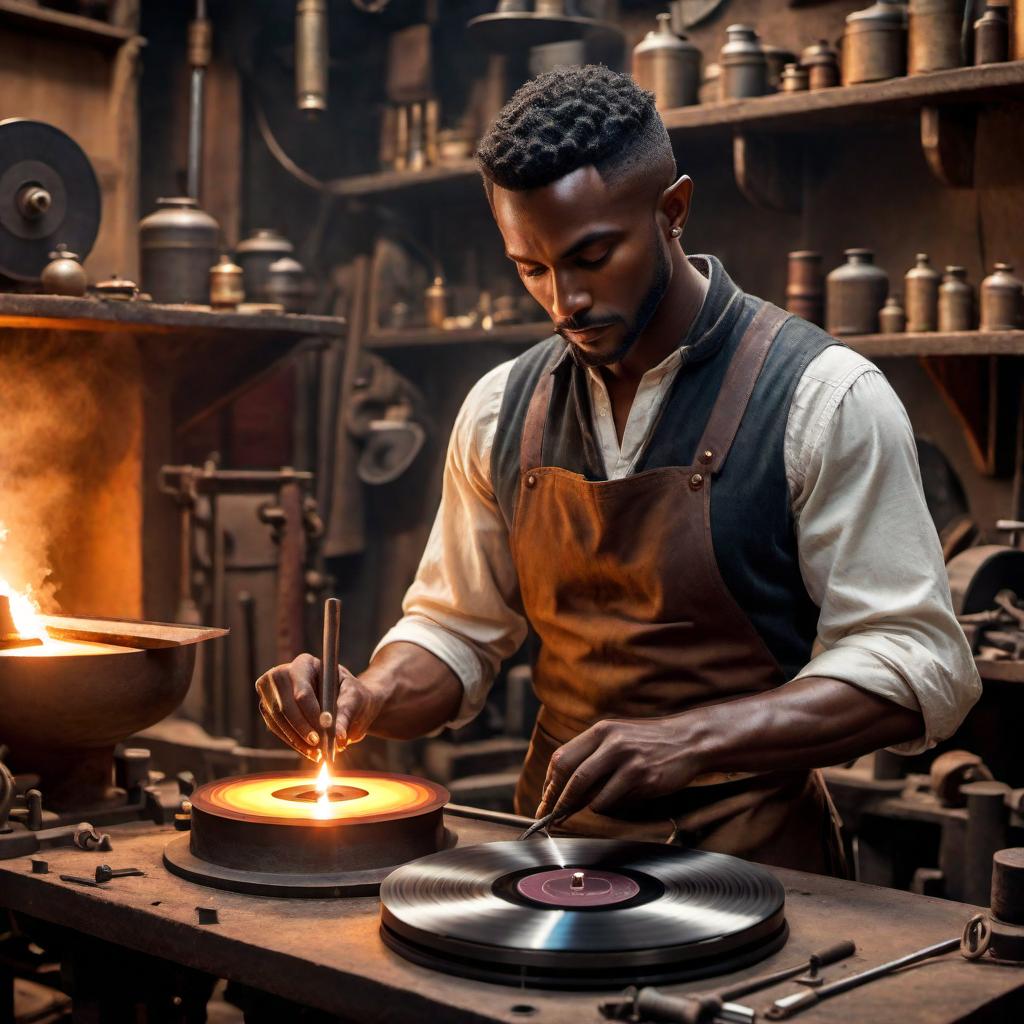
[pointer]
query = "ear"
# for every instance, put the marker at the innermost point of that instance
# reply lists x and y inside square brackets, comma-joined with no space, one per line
[674,205]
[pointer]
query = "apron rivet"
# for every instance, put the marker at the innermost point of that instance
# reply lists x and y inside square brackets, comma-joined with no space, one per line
[696,482]
[531,480]
[706,456]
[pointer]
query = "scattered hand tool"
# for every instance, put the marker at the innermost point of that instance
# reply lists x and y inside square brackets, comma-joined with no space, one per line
[789,1006]
[79,880]
[104,873]
[649,1004]
[329,678]
[542,825]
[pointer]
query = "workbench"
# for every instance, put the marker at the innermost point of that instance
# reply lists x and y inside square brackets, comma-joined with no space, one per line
[327,953]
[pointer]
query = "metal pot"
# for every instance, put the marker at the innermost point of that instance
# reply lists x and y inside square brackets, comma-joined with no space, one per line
[179,244]
[1000,299]
[855,293]
[822,63]
[744,68]
[804,293]
[255,255]
[64,274]
[875,43]
[934,35]
[921,287]
[288,285]
[956,301]
[992,36]
[667,65]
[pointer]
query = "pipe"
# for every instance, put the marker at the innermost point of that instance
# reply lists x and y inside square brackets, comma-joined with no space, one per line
[311,56]
[200,37]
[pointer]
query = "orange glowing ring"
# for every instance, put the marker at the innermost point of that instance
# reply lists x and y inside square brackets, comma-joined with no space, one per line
[251,798]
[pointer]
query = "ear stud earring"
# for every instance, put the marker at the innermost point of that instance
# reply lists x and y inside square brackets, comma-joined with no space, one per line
[676,232]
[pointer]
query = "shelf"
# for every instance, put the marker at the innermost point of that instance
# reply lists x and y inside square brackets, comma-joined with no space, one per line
[513,334]
[56,23]
[394,181]
[1000,671]
[961,343]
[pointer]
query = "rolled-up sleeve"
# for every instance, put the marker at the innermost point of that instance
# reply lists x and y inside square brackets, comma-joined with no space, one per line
[463,605]
[869,553]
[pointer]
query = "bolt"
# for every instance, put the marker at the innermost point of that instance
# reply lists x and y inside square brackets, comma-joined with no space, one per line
[104,873]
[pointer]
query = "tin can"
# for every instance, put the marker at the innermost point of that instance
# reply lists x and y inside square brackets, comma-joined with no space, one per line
[934,35]
[1000,299]
[822,63]
[892,318]
[287,284]
[179,244]
[436,299]
[855,293]
[744,68]
[875,43]
[668,65]
[992,36]
[804,291]
[794,79]
[227,289]
[255,254]
[776,58]
[921,287]
[956,301]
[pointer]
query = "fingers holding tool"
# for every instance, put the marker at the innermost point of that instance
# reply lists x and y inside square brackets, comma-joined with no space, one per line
[289,706]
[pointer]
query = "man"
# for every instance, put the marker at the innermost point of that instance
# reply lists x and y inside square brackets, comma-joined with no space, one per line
[709,512]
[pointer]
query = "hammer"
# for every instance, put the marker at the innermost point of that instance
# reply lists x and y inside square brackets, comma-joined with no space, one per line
[329,677]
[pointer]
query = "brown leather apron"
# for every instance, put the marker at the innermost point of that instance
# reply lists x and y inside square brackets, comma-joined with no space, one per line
[619,579]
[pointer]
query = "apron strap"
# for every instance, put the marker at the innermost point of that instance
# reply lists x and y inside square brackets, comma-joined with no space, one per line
[532,444]
[740,378]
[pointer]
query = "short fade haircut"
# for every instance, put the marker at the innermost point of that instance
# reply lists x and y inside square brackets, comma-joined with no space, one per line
[570,118]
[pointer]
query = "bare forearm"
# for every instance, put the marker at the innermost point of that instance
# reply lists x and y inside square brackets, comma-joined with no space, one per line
[419,692]
[809,723]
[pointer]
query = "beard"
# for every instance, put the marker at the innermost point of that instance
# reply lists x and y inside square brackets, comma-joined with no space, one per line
[648,306]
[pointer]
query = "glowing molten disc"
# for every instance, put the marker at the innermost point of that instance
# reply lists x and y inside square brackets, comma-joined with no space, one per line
[258,797]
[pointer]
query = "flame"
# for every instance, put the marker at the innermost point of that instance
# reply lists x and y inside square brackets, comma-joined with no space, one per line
[323,786]
[24,611]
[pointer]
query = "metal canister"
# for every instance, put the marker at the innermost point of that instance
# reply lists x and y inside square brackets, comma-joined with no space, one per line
[436,300]
[776,58]
[179,244]
[668,65]
[956,301]
[1000,299]
[992,36]
[794,79]
[855,292]
[255,254]
[744,68]
[227,288]
[892,318]
[1017,27]
[64,274]
[711,87]
[822,63]
[921,287]
[875,43]
[804,291]
[934,35]
[287,284]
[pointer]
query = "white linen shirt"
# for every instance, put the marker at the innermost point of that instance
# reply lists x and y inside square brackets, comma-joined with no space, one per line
[869,554]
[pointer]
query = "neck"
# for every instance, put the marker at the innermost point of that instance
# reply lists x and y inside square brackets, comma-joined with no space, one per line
[671,321]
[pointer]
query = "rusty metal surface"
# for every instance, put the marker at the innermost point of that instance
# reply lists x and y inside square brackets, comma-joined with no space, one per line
[327,952]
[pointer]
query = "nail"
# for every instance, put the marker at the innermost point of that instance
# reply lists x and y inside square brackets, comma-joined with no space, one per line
[313,738]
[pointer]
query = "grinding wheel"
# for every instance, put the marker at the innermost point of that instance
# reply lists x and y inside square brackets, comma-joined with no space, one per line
[978,574]
[48,195]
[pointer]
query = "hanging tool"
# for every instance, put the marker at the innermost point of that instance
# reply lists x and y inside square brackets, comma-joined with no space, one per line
[789,1006]
[329,678]
[648,1004]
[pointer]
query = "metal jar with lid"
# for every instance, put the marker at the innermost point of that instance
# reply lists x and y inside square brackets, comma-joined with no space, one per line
[179,244]
[1001,299]
[744,68]
[668,65]
[64,274]
[227,289]
[776,58]
[921,288]
[992,36]
[892,318]
[822,63]
[804,292]
[854,293]
[956,301]
[794,79]
[934,35]
[875,43]
[255,254]
[288,285]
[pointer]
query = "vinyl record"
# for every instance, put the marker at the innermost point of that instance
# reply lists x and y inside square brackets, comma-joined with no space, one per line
[582,913]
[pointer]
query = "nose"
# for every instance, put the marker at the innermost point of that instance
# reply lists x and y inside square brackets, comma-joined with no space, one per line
[568,299]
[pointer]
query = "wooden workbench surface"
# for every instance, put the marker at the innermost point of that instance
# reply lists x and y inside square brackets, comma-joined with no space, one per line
[327,953]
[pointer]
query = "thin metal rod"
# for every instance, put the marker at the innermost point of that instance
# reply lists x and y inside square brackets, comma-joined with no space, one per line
[329,677]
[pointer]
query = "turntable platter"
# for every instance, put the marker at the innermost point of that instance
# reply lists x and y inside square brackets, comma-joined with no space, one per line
[582,913]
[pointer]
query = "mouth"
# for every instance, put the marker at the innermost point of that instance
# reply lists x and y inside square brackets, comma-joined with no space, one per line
[586,337]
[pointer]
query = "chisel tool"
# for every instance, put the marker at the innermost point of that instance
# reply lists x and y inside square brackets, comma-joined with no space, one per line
[329,678]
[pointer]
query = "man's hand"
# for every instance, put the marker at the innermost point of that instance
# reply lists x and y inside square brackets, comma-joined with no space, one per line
[617,760]
[289,705]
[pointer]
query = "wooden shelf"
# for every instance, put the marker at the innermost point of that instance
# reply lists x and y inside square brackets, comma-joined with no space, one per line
[961,343]
[56,23]
[1000,671]
[513,334]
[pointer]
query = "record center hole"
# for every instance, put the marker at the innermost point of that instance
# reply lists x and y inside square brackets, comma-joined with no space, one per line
[308,794]
[524,1010]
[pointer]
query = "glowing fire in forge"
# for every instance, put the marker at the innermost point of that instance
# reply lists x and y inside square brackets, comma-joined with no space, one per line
[24,612]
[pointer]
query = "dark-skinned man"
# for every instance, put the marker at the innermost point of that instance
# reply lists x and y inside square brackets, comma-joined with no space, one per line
[710,514]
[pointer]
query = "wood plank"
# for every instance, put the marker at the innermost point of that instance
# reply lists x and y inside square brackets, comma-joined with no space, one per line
[129,632]
[44,21]
[960,343]
[1000,671]
[328,954]
[513,334]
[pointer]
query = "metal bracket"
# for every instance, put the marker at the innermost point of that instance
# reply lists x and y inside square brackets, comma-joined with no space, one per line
[947,139]
[769,170]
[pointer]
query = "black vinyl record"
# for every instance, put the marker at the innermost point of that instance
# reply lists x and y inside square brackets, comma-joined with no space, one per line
[582,913]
